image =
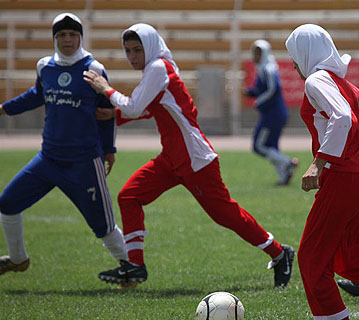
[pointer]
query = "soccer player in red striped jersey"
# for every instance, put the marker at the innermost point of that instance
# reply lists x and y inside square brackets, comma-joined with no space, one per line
[187,157]
[330,242]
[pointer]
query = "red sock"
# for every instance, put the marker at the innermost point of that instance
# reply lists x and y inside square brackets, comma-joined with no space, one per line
[135,252]
[274,249]
[136,257]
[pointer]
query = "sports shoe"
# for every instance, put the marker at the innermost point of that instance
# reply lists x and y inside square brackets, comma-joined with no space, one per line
[289,171]
[349,286]
[6,265]
[283,266]
[127,274]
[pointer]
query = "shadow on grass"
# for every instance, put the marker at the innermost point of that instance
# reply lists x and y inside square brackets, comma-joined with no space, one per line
[150,293]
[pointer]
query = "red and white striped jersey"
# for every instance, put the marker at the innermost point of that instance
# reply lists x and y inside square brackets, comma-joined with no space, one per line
[330,111]
[163,95]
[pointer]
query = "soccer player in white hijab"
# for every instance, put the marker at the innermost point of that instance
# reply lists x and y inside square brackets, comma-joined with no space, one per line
[74,151]
[273,113]
[329,243]
[187,157]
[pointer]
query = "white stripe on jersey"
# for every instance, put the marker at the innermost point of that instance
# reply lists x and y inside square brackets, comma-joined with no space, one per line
[41,64]
[105,195]
[324,96]
[271,86]
[199,150]
[97,67]
[156,79]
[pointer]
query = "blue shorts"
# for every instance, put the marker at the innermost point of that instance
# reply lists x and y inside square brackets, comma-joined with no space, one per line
[84,183]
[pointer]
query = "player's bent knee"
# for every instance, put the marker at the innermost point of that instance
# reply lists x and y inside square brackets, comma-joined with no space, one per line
[9,209]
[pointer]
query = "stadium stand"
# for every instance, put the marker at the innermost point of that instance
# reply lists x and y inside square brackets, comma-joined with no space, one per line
[180,5]
[199,33]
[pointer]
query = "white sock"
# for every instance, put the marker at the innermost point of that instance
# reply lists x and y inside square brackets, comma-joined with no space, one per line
[280,162]
[277,157]
[14,236]
[115,243]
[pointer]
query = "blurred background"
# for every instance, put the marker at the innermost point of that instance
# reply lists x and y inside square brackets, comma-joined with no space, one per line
[210,41]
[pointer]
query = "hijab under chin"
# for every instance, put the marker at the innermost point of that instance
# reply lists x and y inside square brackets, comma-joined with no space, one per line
[312,48]
[63,60]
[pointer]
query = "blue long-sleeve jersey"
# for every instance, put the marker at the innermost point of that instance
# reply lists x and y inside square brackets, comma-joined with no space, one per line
[269,102]
[71,131]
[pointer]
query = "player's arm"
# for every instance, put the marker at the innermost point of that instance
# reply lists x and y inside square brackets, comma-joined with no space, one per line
[107,132]
[310,179]
[121,118]
[154,80]
[107,127]
[271,86]
[100,84]
[253,91]
[26,101]
[109,159]
[326,98]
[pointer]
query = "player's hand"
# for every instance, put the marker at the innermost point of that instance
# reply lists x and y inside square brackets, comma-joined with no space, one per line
[310,179]
[109,161]
[105,114]
[2,111]
[97,82]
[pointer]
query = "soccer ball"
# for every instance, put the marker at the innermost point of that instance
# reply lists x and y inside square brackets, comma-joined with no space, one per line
[220,306]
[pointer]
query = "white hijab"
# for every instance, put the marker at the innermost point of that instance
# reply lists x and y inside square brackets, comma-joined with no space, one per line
[312,48]
[267,60]
[81,53]
[153,44]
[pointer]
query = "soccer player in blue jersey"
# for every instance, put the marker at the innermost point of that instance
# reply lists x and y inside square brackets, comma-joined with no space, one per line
[74,150]
[272,109]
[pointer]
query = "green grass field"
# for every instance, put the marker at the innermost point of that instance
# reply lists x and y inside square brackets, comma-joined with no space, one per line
[187,255]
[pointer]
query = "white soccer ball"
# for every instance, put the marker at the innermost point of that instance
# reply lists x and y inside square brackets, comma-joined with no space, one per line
[220,306]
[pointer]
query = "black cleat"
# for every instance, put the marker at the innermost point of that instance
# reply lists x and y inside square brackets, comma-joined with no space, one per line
[127,274]
[349,286]
[283,267]
[7,265]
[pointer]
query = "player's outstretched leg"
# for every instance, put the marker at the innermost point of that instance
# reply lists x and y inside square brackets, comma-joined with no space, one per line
[289,170]
[127,274]
[349,286]
[7,265]
[283,266]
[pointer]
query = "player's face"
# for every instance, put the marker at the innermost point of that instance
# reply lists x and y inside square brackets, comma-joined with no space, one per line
[257,54]
[135,54]
[296,67]
[68,41]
